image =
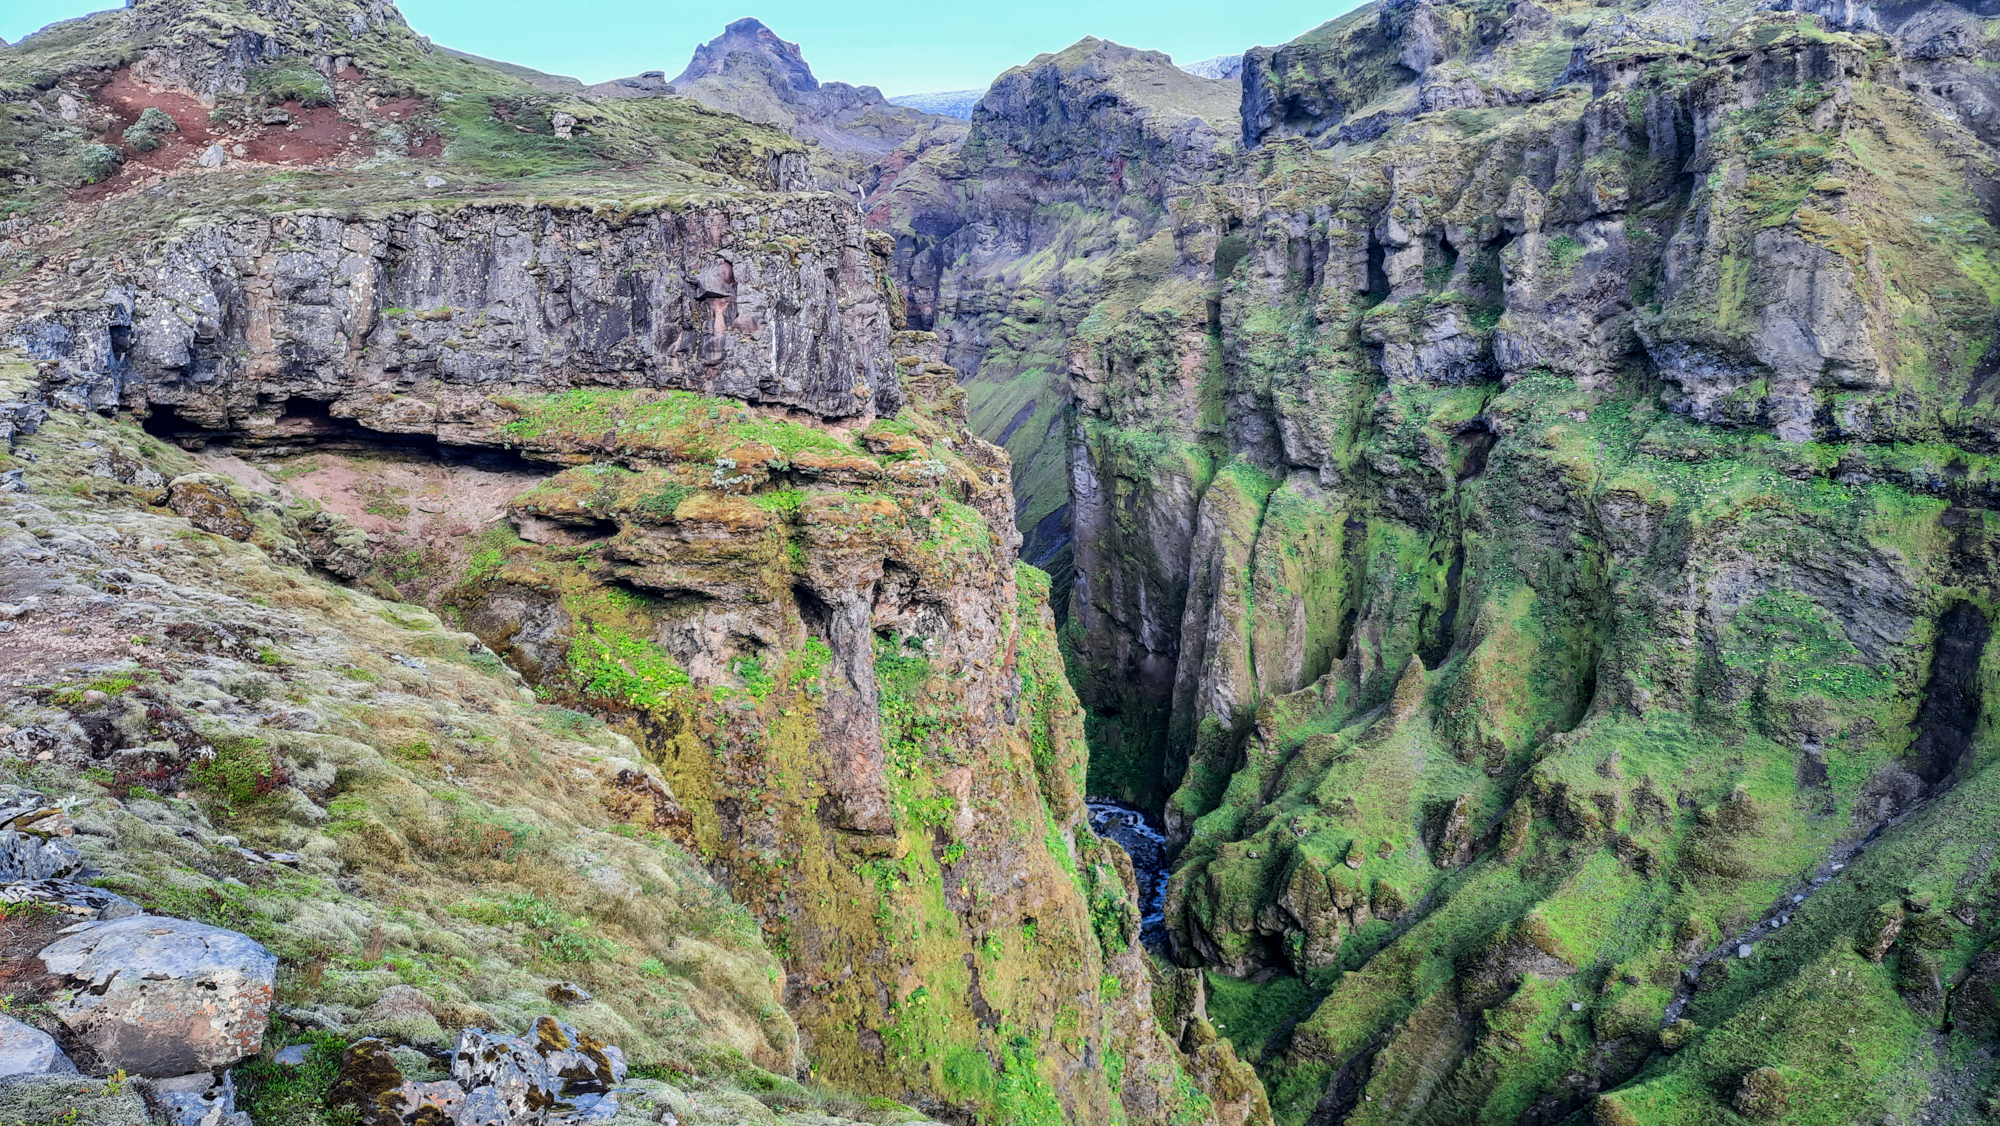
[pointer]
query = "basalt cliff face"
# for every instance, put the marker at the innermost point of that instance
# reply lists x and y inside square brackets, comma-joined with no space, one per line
[1526,483]
[523,515]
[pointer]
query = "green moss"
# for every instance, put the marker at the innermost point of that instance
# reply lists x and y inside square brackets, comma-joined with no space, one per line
[239,773]
[289,82]
[681,425]
[274,1094]
[1252,1016]
[556,934]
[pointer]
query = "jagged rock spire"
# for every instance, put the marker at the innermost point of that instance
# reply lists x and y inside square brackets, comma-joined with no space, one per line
[749,35]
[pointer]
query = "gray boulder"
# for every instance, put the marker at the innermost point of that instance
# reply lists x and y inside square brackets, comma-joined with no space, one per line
[199,1099]
[81,900]
[509,1065]
[30,1051]
[484,1107]
[576,1063]
[24,856]
[164,997]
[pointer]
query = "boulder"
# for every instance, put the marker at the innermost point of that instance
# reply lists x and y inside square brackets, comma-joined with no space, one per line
[80,900]
[24,856]
[370,1082]
[164,997]
[484,1107]
[553,1075]
[25,1050]
[205,500]
[199,1099]
[577,1063]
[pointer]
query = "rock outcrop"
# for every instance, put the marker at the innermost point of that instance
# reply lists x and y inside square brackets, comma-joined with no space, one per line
[415,323]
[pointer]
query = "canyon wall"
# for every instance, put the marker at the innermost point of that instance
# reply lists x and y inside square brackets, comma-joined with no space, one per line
[1534,492]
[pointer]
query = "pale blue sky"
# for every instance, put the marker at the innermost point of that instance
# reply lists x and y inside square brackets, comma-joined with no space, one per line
[903,46]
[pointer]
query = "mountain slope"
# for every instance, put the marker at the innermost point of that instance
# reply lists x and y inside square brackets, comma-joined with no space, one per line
[749,72]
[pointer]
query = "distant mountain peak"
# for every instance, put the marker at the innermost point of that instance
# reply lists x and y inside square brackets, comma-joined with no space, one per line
[948,103]
[749,35]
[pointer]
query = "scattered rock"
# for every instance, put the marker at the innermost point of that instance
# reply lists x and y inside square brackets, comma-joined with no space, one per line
[26,857]
[568,993]
[25,1050]
[163,996]
[87,903]
[1677,1035]
[552,1075]
[1455,833]
[293,1056]
[126,470]
[212,157]
[204,499]
[1764,1094]
[1881,931]
[510,1066]
[199,1099]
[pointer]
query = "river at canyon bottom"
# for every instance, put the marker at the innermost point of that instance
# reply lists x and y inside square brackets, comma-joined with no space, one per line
[1140,834]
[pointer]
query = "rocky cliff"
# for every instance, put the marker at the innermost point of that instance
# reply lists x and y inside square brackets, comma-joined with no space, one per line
[1052,220]
[591,401]
[1527,506]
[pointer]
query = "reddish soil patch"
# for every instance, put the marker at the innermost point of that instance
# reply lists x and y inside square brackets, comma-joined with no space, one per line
[320,134]
[312,136]
[404,110]
[125,98]
[58,633]
[24,932]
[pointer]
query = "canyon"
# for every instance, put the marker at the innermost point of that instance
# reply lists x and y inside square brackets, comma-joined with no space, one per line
[1439,573]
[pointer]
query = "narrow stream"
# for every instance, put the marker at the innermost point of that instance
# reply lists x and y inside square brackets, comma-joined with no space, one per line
[1139,832]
